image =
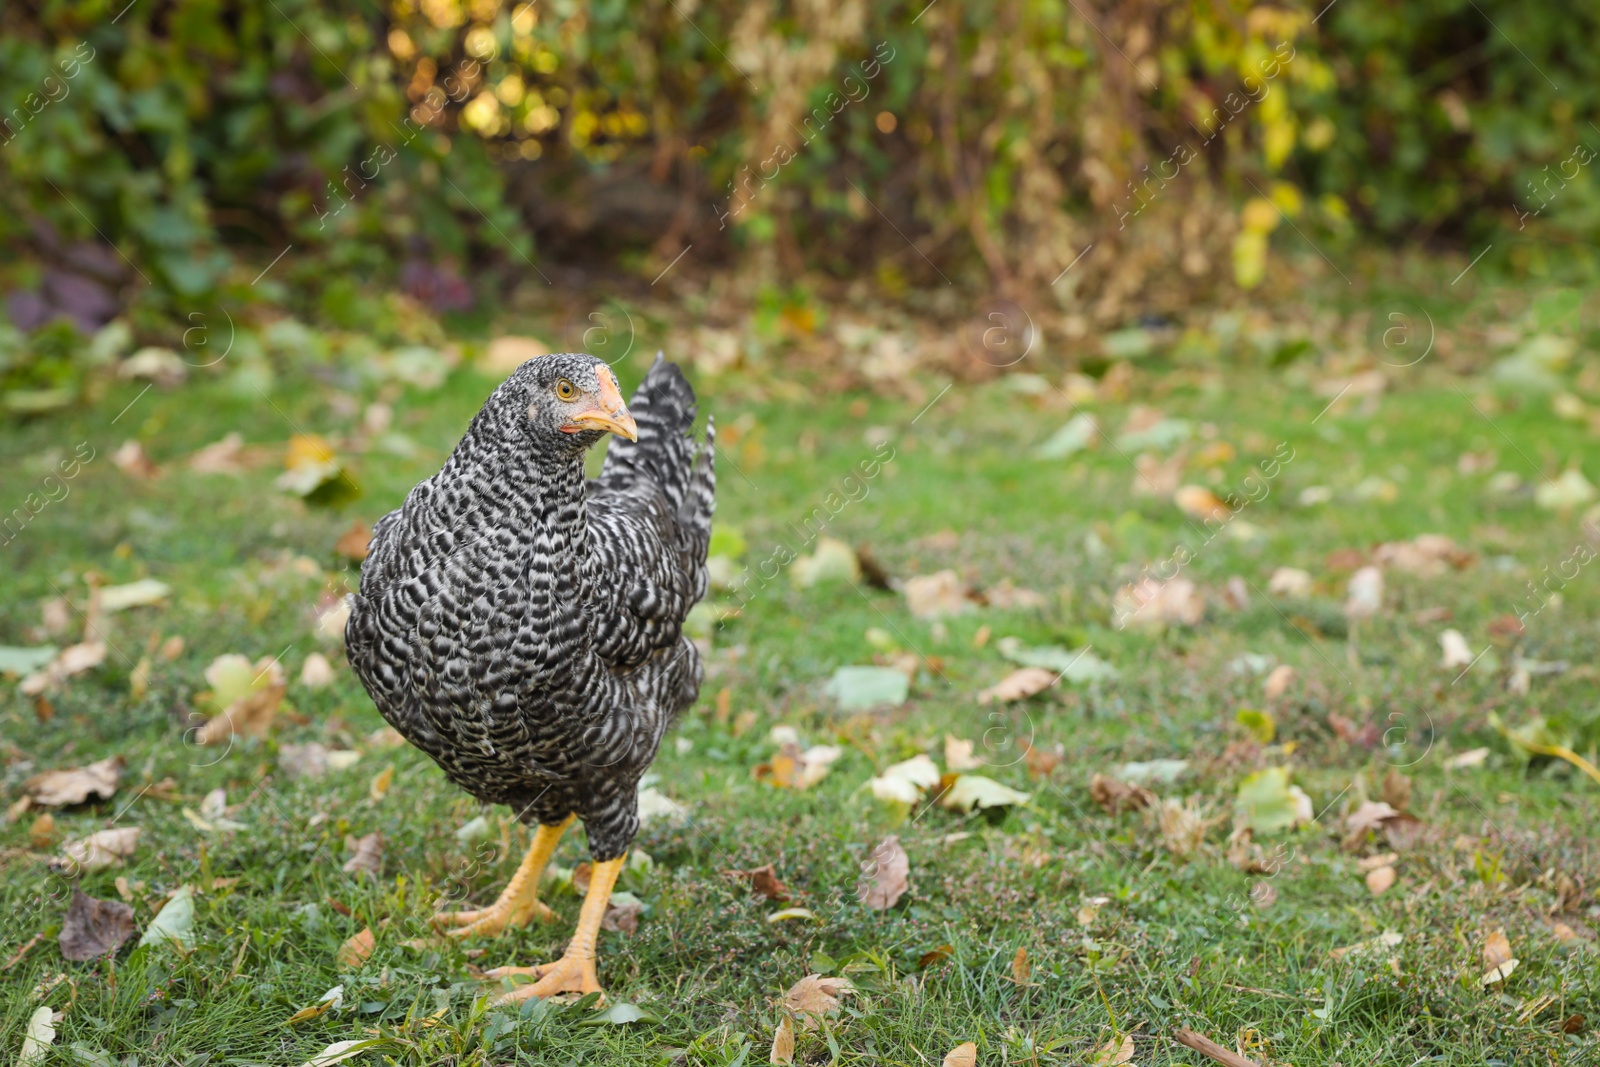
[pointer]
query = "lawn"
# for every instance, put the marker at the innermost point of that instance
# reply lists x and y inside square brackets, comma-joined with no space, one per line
[1042,930]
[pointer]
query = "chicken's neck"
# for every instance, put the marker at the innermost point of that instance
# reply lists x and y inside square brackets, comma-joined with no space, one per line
[541,498]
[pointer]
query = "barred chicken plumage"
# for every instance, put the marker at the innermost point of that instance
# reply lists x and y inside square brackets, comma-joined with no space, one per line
[523,626]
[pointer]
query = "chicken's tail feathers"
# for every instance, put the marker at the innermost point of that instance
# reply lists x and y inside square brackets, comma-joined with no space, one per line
[694,516]
[664,408]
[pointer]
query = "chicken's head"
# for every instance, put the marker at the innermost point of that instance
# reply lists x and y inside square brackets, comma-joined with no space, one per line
[572,399]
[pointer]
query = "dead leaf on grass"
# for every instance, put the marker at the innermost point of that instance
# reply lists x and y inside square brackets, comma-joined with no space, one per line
[74,659]
[811,998]
[1117,796]
[1497,958]
[64,788]
[937,595]
[1115,1052]
[958,754]
[886,875]
[963,1055]
[356,948]
[101,849]
[1020,970]
[782,1042]
[380,783]
[1473,757]
[249,695]
[1019,685]
[1278,681]
[1380,879]
[94,927]
[366,854]
[352,544]
[763,881]
[622,917]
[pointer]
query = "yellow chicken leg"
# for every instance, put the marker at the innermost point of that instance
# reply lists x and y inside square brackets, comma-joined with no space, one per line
[518,904]
[574,972]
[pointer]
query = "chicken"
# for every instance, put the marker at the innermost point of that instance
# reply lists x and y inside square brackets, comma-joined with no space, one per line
[523,626]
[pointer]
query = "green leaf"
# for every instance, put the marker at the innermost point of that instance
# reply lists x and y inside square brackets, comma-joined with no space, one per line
[974,792]
[1075,436]
[17,660]
[174,923]
[1079,667]
[1267,803]
[1261,724]
[857,688]
[620,1014]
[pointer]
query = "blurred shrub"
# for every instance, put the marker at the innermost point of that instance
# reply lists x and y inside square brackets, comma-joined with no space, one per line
[892,147]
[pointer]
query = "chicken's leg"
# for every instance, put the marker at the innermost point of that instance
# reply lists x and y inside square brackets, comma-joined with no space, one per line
[519,902]
[574,972]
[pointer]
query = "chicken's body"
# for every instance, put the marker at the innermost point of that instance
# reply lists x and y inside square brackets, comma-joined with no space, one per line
[522,625]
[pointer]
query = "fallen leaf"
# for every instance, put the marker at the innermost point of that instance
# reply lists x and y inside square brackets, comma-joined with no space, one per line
[1429,555]
[174,923]
[1116,796]
[1456,652]
[1020,970]
[1364,596]
[1499,972]
[1201,504]
[831,561]
[340,1051]
[1079,433]
[886,875]
[814,996]
[356,948]
[101,849]
[958,754]
[782,1042]
[1153,605]
[1278,681]
[764,881]
[352,544]
[1568,491]
[131,460]
[135,594]
[1380,879]
[791,913]
[1260,724]
[380,783]
[1042,762]
[1075,668]
[1471,758]
[1158,771]
[1182,825]
[59,789]
[1290,582]
[366,854]
[1371,815]
[248,694]
[23,661]
[74,659]
[974,792]
[622,916]
[1266,802]
[38,1037]
[1019,685]
[1382,943]
[317,672]
[906,781]
[313,759]
[1496,948]
[94,927]
[963,1055]
[1115,1052]
[332,1000]
[938,595]
[219,457]
[310,465]
[861,688]
[654,804]
[43,831]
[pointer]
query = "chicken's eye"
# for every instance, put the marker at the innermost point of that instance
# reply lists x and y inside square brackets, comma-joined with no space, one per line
[566,390]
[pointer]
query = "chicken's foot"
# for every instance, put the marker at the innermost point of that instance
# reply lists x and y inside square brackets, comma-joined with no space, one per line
[518,904]
[574,972]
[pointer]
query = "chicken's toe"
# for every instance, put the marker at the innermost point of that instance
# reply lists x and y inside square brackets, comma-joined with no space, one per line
[569,974]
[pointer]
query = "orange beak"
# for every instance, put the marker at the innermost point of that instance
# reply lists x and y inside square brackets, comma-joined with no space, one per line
[611,415]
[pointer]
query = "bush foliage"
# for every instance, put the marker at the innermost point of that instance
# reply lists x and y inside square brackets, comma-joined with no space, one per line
[159,155]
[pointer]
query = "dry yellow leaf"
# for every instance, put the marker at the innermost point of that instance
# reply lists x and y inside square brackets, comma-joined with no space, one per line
[1020,970]
[1379,879]
[354,952]
[1114,1052]
[782,1042]
[814,996]
[963,1055]
[380,783]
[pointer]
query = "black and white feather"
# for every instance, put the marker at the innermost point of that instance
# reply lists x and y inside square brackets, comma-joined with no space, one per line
[524,625]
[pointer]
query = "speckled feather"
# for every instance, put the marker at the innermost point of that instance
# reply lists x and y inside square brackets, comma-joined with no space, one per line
[523,625]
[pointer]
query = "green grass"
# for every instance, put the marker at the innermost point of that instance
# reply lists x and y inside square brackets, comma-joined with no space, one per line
[1179,942]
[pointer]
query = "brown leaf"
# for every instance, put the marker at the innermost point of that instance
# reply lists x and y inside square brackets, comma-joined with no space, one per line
[1118,796]
[59,789]
[1200,504]
[131,459]
[101,849]
[1278,681]
[1114,1052]
[94,927]
[251,714]
[580,878]
[1020,971]
[354,952]
[887,876]
[1496,948]
[43,831]
[380,783]
[1019,685]
[1404,831]
[1380,879]
[928,959]
[219,457]
[1209,1048]
[1042,761]
[933,596]
[814,996]
[763,880]
[622,918]
[963,1055]
[352,544]
[1396,789]
[366,854]
[782,1042]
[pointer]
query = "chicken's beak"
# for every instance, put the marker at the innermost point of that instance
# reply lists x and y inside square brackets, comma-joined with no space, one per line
[611,415]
